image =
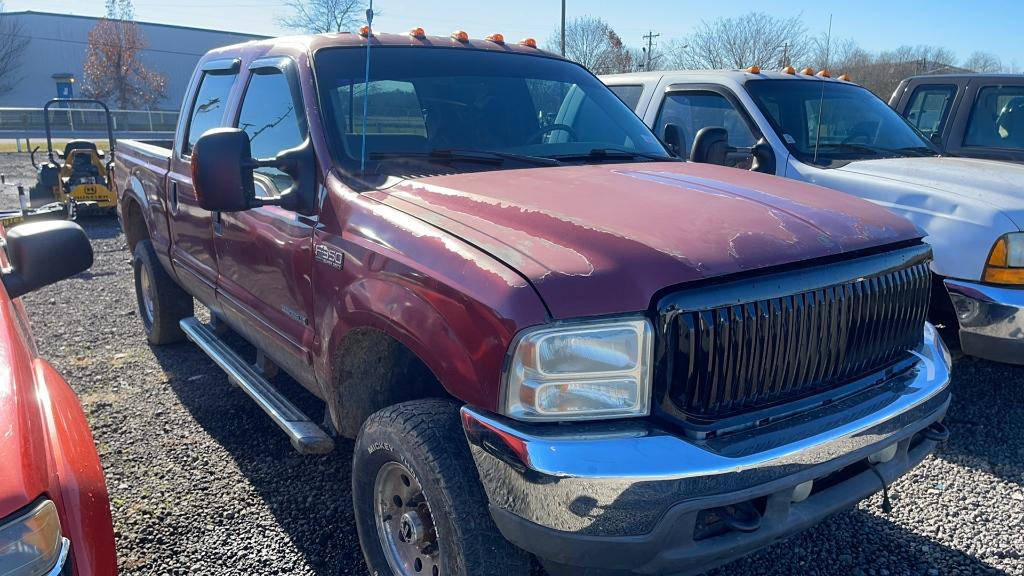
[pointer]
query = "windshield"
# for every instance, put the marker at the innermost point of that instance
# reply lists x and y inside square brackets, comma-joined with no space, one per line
[487,109]
[854,123]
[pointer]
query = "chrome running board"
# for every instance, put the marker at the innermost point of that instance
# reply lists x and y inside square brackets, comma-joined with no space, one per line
[305,435]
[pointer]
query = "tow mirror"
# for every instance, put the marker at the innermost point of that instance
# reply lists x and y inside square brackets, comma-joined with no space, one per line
[222,171]
[673,139]
[710,146]
[41,253]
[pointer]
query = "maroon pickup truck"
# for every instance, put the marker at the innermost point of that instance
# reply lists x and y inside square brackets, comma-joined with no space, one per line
[546,335]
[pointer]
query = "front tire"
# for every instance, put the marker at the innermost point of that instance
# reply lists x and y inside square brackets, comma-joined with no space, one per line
[162,303]
[419,505]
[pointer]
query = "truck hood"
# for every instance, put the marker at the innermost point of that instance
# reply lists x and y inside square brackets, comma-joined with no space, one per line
[999,185]
[603,239]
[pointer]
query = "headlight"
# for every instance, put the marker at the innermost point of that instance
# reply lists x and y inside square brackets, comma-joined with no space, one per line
[31,544]
[1006,260]
[581,371]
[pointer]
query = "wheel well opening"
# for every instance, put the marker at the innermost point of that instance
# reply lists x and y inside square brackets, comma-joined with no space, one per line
[134,224]
[371,371]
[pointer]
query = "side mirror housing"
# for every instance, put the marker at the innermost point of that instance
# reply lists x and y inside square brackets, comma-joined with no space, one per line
[222,171]
[674,139]
[764,157]
[41,253]
[710,146]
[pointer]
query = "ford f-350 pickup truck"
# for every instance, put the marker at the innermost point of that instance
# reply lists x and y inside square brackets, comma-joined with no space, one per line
[546,334]
[832,132]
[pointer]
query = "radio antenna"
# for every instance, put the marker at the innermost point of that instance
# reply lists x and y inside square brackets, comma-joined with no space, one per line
[366,87]
[821,100]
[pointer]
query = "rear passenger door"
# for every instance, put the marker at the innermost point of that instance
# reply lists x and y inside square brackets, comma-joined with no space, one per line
[264,255]
[191,229]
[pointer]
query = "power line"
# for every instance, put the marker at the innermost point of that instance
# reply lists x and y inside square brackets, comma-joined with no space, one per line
[650,36]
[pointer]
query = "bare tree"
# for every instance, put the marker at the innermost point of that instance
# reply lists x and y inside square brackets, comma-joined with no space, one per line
[113,67]
[12,49]
[586,42]
[980,61]
[753,39]
[323,16]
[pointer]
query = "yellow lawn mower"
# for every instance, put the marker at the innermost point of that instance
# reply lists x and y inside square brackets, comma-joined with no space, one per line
[79,174]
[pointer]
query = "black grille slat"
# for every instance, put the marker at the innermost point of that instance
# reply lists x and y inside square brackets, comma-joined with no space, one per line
[745,355]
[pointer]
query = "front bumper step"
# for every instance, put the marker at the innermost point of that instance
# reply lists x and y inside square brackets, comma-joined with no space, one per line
[306,437]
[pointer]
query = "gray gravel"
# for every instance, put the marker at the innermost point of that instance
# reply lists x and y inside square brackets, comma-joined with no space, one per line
[201,482]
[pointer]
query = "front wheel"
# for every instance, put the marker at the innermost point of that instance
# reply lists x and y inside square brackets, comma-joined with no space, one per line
[419,504]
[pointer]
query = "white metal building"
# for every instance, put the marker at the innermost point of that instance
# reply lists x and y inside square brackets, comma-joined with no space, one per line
[52,62]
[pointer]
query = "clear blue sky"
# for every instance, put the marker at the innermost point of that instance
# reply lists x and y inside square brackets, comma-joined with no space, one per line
[989,25]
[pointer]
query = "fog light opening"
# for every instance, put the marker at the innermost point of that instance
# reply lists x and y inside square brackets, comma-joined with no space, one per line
[884,455]
[802,491]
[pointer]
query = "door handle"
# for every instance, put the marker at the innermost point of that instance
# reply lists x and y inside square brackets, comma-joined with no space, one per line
[218,224]
[174,197]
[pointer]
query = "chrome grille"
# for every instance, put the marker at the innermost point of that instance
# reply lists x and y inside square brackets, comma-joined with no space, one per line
[746,353]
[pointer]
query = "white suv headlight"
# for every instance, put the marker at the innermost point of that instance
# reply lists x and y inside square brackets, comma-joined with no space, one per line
[582,371]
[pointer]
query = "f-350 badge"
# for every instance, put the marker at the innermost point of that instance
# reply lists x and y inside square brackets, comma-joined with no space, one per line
[325,255]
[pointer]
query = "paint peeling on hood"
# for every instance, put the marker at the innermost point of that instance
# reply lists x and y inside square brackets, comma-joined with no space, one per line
[602,239]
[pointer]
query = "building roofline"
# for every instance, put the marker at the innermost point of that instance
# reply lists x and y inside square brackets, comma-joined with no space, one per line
[158,24]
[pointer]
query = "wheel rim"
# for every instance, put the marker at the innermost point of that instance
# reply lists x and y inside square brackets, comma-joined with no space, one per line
[404,523]
[146,295]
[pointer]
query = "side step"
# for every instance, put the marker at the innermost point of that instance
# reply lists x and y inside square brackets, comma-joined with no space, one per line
[305,435]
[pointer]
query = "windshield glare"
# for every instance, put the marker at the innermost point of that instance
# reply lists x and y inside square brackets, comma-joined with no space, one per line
[422,101]
[855,124]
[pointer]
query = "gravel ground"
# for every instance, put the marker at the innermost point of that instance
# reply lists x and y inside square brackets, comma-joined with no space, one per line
[201,481]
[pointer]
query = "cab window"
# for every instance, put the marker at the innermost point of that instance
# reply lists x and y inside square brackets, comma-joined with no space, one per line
[628,93]
[208,107]
[693,110]
[929,107]
[997,118]
[273,120]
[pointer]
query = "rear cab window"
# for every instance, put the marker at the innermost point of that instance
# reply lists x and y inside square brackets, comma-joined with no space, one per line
[207,110]
[929,107]
[997,118]
[628,93]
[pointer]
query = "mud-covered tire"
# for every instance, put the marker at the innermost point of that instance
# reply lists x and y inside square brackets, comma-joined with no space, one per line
[426,438]
[162,303]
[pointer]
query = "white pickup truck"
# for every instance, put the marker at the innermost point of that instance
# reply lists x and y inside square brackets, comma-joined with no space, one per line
[837,134]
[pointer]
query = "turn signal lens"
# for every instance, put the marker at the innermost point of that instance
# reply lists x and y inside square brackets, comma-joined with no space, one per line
[460,35]
[418,33]
[32,542]
[529,42]
[496,38]
[1005,263]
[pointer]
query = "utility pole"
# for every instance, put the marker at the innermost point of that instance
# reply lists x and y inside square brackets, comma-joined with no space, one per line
[650,36]
[563,28]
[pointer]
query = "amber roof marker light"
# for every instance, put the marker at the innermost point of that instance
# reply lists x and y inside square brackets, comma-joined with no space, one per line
[528,42]
[844,78]
[788,70]
[824,74]
[460,36]
[496,38]
[755,69]
[417,33]
[364,31]
[807,71]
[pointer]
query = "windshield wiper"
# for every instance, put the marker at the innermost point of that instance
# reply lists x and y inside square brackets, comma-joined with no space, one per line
[615,154]
[478,156]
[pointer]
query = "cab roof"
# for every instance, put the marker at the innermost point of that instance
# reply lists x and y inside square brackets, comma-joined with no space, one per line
[314,42]
[739,76]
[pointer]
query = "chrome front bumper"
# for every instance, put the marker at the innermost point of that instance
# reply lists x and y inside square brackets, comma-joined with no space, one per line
[991,320]
[620,483]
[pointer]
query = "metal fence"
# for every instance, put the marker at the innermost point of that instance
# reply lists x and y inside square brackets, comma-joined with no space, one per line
[72,120]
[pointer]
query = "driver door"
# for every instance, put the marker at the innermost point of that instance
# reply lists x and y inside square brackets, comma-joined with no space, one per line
[264,255]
